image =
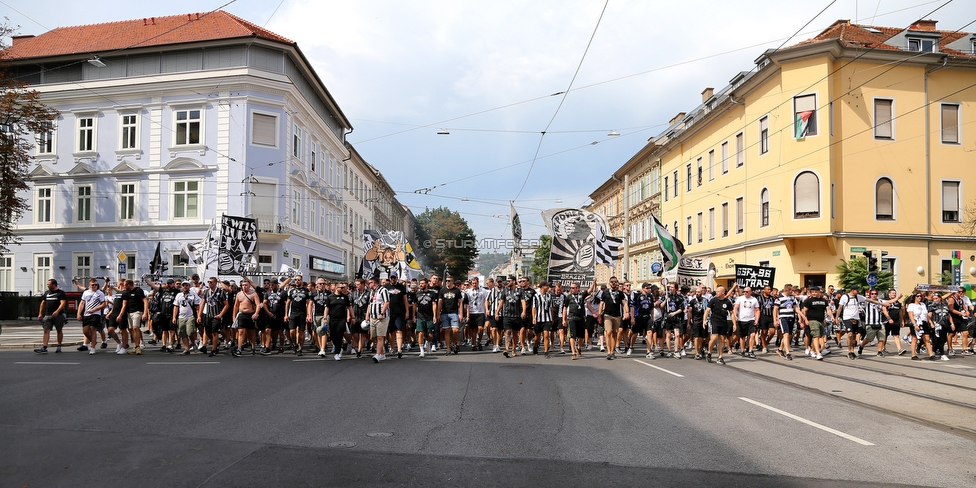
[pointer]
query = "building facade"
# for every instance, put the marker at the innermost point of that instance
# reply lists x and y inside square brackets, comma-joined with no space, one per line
[168,124]
[855,140]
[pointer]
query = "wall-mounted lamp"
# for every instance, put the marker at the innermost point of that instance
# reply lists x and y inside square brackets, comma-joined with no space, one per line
[972,271]
[61,268]
[103,266]
[920,270]
[23,268]
[98,63]
[284,253]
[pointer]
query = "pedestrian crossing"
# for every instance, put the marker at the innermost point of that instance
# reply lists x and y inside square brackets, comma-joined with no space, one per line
[31,337]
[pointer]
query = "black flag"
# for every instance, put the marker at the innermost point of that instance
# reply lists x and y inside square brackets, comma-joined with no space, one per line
[155,266]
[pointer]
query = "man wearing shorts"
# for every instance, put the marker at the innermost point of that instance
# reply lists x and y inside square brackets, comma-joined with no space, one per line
[296,309]
[184,315]
[90,311]
[247,309]
[613,309]
[53,304]
[398,310]
[450,303]
[718,315]
[696,322]
[643,310]
[813,313]
[476,297]
[135,309]
[892,317]
[542,318]
[850,314]
[784,315]
[379,318]
[492,299]
[425,309]
[574,317]
[316,308]
[211,314]
[767,329]
[510,311]
[746,323]
[674,318]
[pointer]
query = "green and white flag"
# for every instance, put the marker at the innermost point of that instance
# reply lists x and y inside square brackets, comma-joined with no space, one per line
[671,247]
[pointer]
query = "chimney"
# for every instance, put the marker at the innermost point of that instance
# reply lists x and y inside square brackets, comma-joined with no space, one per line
[707,93]
[924,25]
[676,118]
[15,39]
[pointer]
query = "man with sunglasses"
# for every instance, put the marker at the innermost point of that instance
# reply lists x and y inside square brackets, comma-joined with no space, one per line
[613,309]
[316,308]
[450,303]
[510,311]
[90,311]
[185,315]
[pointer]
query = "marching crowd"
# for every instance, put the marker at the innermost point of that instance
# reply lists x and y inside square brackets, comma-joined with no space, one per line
[508,315]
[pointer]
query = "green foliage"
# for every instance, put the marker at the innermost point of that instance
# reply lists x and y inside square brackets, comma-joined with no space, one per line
[540,261]
[855,273]
[945,278]
[487,261]
[445,239]
[22,115]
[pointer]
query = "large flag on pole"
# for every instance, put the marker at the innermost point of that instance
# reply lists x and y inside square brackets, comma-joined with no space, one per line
[671,247]
[156,265]
[516,239]
[607,247]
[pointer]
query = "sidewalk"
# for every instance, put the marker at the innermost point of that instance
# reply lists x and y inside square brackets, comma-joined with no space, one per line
[28,334]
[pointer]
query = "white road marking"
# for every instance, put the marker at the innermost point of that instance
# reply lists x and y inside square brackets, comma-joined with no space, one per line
[809,422]
[39,362]
[306,360]
[660,369]
[186,362]
[958,366]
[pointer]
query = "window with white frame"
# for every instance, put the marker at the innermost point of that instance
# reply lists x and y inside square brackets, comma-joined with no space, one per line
[950,123]
[739,215]
[45,139]
[701,226]
[725,157]
[127,201]
[6,273]
[322,215]
[44,204]
[711,165]
[725,219]
[43,271]
[688,236]
[129,136]
[950,201]
[296,208]
[186,199]
[296,143]
[806,196]
[676,183]
[179,266]
[740,149]
[923,45]
[700,171]
[711,223]
[805,115]
[763,135]
[312,157]
[764,207]
[83,265]
[884,208]
[131,271]
[296,262]
[188,127]
[84,203]
[883,115]
[688,178]
[265,263]
[312,220]
[666,187]
[264,129]
[86,133]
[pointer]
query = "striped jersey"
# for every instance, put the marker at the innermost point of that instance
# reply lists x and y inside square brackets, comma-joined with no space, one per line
[787,307]
[542,307]
[491,300]
[379,297]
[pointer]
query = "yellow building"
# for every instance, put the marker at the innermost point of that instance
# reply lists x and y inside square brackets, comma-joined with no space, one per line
[853,140]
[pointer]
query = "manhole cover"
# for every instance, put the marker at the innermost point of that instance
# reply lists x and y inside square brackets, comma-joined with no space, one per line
[380,434]
[342,444]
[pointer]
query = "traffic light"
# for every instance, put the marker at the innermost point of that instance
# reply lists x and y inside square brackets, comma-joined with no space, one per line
[872,257]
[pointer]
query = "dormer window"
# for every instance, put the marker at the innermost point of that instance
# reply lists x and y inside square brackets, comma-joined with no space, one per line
[921,45]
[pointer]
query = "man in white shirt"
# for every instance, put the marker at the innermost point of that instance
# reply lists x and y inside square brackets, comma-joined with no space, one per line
[746,316]
[185,315]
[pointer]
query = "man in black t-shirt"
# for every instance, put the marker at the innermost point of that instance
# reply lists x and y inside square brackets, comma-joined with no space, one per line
[511,310]
[425,309]
[696,321]
[718,315]
[135,309]
[338,309]
[449,303]
[574,316]
[398,310]
[297,311]
[813,314]
[53,304]
[613,309]
[316,307]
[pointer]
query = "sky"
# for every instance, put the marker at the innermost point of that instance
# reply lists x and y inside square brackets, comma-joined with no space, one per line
[496,75]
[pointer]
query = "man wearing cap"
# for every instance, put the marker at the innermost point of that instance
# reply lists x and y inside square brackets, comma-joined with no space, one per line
[476,297]
[211,315]
[510,310]
[185,315]
[379,318]
[613,309]
[643,304]
[492,299]
[316,309]
[425,309]
[297,314]
[163,322]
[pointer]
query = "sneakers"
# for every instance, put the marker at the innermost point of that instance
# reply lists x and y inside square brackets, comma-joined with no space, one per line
[400,354]
[494,349]
[851,356]
[131,350]
[236,353]
[609,357]
[338,355]
[720,361]
[753,355]
[825,352]
[789,357]
[321,353]
[57,350]
[915,358]
[41,350]
[765,351]
[860,350]
[423,354]
[186,352]
[91,351]
[563,351]
[104,345]
[630,351]
[121,351]
[602,348]
[379,357]
[589,347]
[683,353]
[944,357]
[698,357]
[819,357]
[708,357]
[138,351]
[83,347]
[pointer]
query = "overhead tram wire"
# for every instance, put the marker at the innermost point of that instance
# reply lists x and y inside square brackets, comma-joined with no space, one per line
[563,99]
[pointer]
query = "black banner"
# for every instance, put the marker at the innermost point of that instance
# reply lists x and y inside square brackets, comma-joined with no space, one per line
[755,277]
[238,244]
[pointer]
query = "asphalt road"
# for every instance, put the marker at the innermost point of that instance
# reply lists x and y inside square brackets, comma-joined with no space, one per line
[478,419]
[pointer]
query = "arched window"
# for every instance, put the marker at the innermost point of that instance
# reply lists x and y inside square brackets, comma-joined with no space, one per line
[806,196]
[764,208]
[884,201]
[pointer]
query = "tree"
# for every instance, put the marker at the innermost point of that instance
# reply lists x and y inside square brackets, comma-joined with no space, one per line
[487,261]
[540,261]
[445,239]
[22,115]
[855,273]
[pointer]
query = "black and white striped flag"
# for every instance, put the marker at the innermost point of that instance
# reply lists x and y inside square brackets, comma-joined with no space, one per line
[607,247]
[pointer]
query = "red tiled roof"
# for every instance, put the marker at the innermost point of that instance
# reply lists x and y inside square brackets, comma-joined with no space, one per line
[869,36]
[153,31]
